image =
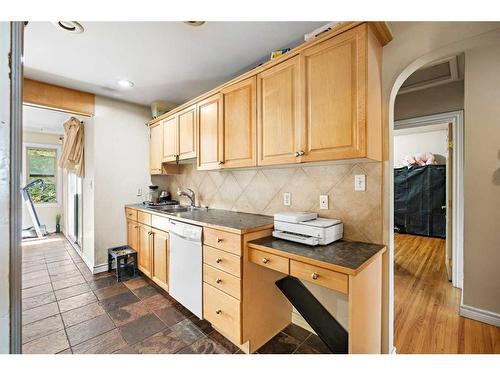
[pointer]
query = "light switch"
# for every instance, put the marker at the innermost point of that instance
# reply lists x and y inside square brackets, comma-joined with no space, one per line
[323,202]
[287,199]
[359,182]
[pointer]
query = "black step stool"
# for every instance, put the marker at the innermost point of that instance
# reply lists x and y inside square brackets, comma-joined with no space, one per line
[125,254]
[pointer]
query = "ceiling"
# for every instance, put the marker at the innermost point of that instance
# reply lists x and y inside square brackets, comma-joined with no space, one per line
[43,120]
[166,60]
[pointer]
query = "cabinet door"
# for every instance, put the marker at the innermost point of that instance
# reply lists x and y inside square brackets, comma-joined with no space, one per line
[155,148]
[132,234]
[240,124]
[159,269]
[144,261]
[170,139]
[334,82]
[278,114]
[187,133]
[209,133]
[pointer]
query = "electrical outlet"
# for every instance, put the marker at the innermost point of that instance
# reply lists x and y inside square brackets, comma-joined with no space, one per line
[359,182]
[287,199]
[139,192]
[323,202]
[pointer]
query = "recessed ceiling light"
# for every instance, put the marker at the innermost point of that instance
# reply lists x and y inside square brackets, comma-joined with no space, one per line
[125,83]
[194,23]
[69,26]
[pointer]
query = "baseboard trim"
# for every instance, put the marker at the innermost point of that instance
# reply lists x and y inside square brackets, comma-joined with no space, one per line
[100,268]
[484,316]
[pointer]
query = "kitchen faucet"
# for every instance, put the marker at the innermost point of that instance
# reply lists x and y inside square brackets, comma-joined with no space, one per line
[188,193]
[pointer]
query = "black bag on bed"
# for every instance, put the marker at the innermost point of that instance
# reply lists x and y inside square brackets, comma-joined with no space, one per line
[419,198]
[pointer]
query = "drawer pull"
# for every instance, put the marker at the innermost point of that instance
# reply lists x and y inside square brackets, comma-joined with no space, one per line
[218,260]
[219,240]
[265,260]
[314,276]
[218,311]
[136,226]
[218,281]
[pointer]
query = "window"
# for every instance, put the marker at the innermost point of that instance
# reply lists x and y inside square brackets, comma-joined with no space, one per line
[41,162]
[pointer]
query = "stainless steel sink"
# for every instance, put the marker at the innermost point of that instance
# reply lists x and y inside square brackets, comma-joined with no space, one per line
[178,208]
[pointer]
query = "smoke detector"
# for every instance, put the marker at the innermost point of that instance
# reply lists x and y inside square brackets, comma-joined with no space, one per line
[69,26]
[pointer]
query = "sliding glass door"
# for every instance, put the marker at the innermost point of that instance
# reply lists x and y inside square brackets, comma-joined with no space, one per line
[74,209]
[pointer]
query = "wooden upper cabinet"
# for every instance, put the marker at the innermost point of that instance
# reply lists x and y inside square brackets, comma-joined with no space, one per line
[239,137]
[159,268]
[278,114]
[155,148]
[170,139]
[209,132]
[334,83]
[187,133]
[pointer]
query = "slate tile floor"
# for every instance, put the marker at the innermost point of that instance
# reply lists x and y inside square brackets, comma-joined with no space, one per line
[67,309]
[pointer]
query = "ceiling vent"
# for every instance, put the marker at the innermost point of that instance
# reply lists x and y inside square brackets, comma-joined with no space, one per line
[436,73]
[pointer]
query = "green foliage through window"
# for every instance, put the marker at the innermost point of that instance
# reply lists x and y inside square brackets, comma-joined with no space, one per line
[41,163]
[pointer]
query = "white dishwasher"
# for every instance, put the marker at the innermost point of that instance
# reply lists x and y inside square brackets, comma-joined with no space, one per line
[185,266]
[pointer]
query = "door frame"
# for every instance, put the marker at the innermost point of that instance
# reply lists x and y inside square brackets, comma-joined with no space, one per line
[456,119]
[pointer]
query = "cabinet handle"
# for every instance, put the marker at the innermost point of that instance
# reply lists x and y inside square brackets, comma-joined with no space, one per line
[218,311]
[219,240]
[136,226]
[220,162]
[314,276]
[265,260]
[218,281]
[218,260]
[299,153]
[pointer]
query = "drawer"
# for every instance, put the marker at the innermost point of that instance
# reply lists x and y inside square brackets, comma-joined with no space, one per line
[222,311]
[321,276]
[222,280]
[160,222]
[131,214]
[222,240]
[274,262]
[144,218]
[222,260]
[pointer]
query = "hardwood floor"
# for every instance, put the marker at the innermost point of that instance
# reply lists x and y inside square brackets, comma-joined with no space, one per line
[426,318]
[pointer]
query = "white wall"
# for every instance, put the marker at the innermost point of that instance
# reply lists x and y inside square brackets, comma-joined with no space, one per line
[482,179]
[438,99]
[4,186]
[420,139]
[46,212]
[121,167]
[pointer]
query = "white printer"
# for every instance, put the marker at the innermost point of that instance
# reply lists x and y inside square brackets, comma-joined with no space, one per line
[307,228]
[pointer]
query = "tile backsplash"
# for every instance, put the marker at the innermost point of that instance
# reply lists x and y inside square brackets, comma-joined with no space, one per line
[260,190]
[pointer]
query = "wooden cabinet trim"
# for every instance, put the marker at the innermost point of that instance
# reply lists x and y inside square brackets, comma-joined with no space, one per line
[170,139]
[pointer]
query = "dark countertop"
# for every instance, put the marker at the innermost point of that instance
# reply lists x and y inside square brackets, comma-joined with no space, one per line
[345,256]
[237,222]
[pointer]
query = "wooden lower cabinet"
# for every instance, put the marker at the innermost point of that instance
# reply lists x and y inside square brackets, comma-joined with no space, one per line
[151,244]
[223,311]
[160,255]
[144,250]
[132,234]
